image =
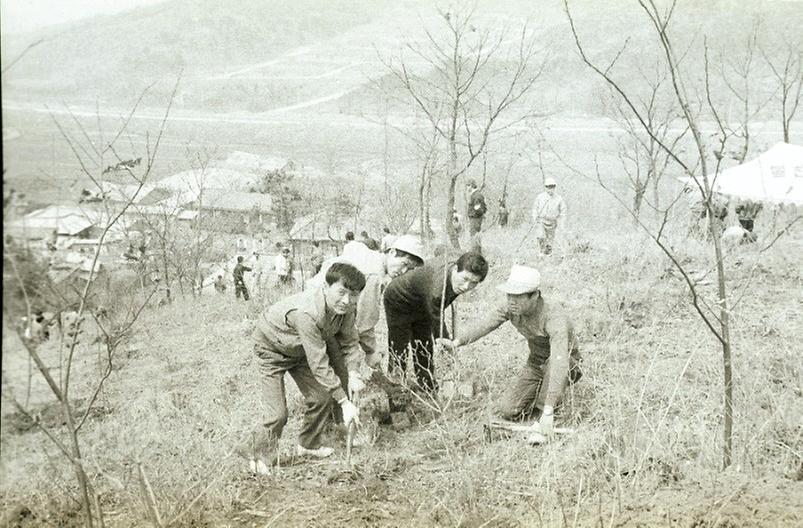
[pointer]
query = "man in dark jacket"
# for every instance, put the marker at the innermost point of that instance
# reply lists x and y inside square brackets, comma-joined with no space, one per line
[476,212]
[414,306]
[239,283]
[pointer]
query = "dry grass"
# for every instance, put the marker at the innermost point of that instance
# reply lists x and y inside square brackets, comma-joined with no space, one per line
[646,451]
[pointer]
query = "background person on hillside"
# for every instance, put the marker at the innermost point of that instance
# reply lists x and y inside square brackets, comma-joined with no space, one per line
[350,242]
[220,286]
[747,211]
[549,211]
[239,281]
[476,212]
[294,337]
[370,243]
[553,359]
[283,267]
[414,304]
[699,212]
[405,253]
[258,266]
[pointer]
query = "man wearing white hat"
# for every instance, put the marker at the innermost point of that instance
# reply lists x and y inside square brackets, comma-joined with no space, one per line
[549,210]
[554,358]
[405,253]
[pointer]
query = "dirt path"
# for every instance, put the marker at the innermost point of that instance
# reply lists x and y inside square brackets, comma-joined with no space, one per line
[292,54]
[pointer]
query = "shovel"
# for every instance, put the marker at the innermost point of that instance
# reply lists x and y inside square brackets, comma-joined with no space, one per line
[533,430]
[351,431]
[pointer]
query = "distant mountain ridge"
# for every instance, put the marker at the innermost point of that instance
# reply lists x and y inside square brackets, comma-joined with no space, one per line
[225,50]
[108,54]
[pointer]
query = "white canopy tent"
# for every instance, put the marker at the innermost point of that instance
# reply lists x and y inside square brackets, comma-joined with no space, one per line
[776,176]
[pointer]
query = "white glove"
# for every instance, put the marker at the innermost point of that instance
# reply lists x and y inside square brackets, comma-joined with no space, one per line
[547,422]
[350,413]
[356,384]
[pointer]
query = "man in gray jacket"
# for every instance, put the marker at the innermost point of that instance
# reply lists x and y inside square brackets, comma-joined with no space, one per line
[294,337]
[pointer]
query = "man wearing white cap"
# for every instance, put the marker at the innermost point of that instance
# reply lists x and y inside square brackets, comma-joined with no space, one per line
[549,210]
[405,253]
[554,358]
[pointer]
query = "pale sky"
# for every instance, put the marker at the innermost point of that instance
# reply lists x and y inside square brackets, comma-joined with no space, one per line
[26,15]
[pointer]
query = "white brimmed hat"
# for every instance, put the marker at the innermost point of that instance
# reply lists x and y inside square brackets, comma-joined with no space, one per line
[409,244]
[550,182]
[522,279]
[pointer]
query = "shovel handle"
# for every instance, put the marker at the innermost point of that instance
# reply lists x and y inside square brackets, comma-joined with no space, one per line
[349,442]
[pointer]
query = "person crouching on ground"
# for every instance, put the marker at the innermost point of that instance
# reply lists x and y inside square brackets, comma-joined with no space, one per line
[554,359]
[414,305]
[293,336]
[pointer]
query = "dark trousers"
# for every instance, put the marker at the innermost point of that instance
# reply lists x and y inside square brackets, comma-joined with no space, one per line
[526,396]
[474,229]
[415,336]
[240,289]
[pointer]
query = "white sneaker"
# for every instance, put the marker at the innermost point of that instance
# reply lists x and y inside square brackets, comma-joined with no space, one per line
[536,439]
[258,467]
[321,452]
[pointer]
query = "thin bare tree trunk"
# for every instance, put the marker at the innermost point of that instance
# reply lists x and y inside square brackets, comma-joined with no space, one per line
[727,364]
[80,474]
[453,238]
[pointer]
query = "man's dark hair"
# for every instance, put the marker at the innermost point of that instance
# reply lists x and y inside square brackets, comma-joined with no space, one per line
[364,234]
[349,235]
[386,230]
[351,277]
[239,258]
[474,263]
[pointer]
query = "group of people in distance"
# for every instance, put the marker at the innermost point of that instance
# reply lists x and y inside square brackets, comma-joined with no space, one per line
[282,267]
[549,210]
[325,336]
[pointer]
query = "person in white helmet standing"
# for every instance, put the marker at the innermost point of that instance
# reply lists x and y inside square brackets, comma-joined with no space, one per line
[549,211]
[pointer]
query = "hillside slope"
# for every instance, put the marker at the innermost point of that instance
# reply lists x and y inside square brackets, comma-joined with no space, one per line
[646,449]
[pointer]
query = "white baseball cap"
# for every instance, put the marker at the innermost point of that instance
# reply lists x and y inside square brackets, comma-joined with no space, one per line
[409,244]
[522,279]
[550,182]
